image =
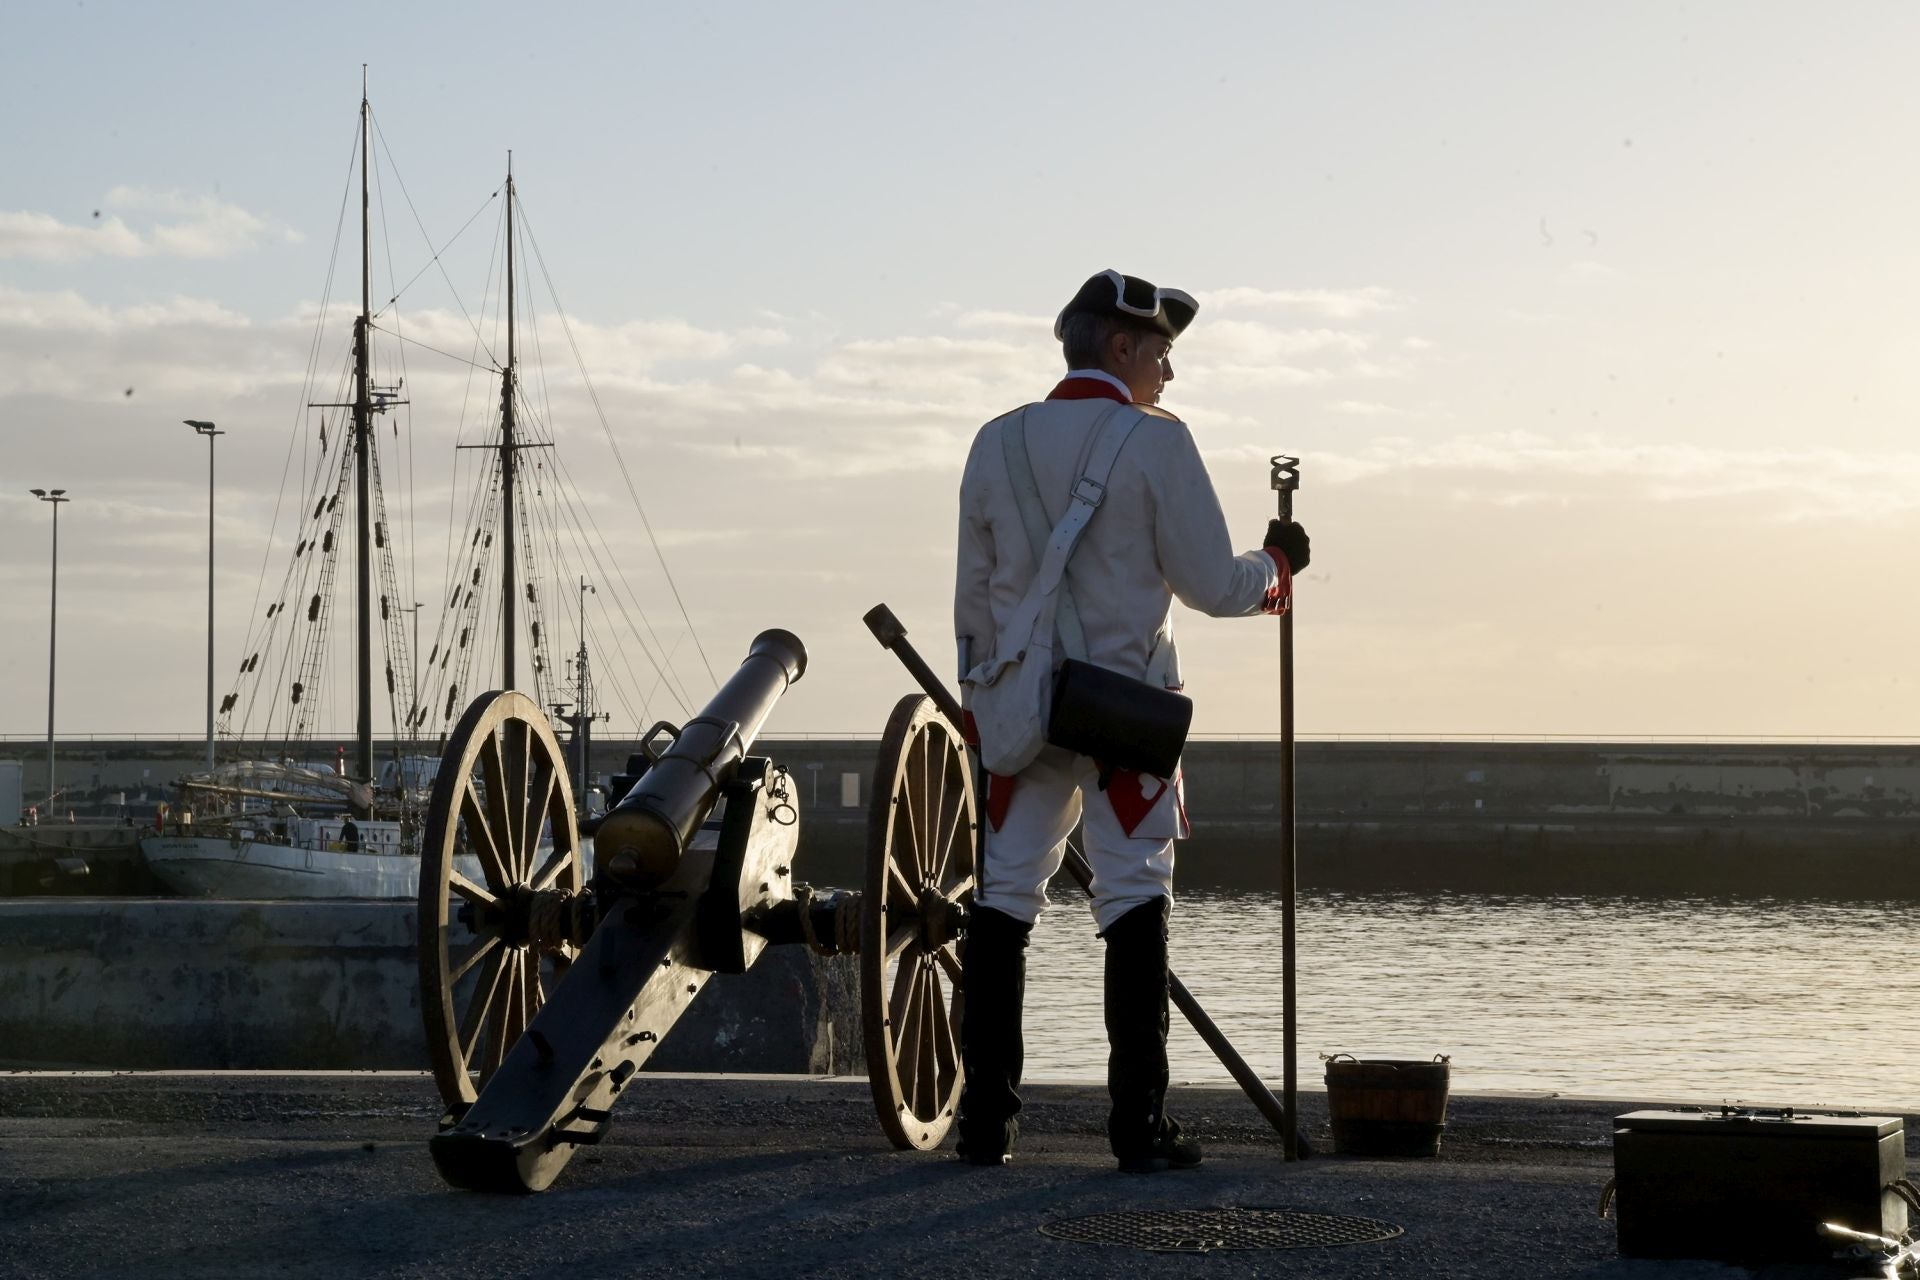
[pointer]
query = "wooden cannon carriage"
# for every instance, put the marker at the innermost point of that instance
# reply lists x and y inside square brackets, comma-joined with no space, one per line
[547,983]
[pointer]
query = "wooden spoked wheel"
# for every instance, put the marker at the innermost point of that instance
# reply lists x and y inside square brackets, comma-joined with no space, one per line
[921,831]
[499,866]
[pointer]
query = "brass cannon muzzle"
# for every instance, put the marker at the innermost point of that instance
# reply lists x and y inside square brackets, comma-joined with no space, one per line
[640,843]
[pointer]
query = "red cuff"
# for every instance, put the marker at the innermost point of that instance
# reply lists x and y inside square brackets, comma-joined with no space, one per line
[1280,595]
[969,731]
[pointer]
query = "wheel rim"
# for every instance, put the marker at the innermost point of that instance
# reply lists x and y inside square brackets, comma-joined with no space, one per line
[921,830]
[491,946]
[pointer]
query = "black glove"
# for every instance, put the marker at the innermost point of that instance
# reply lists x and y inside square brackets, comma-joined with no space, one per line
[1290,539]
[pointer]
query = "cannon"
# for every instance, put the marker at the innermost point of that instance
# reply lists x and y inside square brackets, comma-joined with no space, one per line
[546,984]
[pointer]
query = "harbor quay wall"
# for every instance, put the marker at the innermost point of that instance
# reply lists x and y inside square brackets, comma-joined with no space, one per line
[1227,777]
[1792,820]
[197,984]
[1573,817]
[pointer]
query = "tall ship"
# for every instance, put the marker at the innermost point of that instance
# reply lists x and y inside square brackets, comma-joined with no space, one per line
[290,812]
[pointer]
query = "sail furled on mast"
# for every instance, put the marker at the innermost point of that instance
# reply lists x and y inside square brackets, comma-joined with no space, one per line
[287,687]
[531,532]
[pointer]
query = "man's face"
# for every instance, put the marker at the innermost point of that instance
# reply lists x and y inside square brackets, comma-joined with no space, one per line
[1144,361]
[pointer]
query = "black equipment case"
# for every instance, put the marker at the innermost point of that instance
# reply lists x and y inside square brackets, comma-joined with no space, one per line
[1754,1185]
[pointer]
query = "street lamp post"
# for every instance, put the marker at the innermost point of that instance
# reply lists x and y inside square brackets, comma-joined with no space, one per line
[56,497]
[207,429]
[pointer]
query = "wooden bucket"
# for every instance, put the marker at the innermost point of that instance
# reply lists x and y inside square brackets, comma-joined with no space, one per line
[1387,1107]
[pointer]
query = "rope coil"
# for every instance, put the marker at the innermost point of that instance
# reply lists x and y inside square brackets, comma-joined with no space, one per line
[845,938]
[550,921]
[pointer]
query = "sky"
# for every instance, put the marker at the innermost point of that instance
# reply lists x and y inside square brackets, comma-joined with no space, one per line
[1591,324]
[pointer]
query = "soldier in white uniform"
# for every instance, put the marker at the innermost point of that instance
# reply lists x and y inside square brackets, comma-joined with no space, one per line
[1158,534]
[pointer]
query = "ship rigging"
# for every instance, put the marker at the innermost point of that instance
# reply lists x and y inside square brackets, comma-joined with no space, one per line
[527,538]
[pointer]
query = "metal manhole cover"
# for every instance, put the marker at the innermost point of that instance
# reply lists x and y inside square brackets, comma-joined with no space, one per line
[1211,1230]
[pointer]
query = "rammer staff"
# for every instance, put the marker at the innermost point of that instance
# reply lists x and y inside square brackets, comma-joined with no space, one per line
[1285,478]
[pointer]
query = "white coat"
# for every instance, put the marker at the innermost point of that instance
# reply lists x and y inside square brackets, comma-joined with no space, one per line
[1158,535]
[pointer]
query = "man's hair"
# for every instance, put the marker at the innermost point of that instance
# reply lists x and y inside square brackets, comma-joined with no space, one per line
[1084,336]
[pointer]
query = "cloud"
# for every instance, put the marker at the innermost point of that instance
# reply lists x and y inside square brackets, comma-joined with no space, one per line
[794,474]
[644,344]
[1522,468]
[1338,304]
[1238,341]
[1232,355]
[1008,321]
[66,312]
[178,225]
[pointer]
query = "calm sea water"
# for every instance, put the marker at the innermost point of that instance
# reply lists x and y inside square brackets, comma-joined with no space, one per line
[1766,1001]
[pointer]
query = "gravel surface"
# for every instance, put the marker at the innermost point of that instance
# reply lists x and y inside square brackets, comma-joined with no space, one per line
[328,1175]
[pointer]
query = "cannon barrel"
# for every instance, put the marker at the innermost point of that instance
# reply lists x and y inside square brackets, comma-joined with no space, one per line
[640,843]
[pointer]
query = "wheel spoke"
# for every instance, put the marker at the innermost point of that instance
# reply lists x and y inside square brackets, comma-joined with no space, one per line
[480,836]
[949,962]
[475,1020]
[898,940]
[902,990]
[906,1029]
[500,1016]
[897,881]
[926,1078]
[500,824]
[949,826]
[539,801]
[469,890]
[908,1056]
[958,889]
[906,834]
[480,952]
[936,808]
[920,782]
[931,793]
[946,1052]
[557,861]
[515,735]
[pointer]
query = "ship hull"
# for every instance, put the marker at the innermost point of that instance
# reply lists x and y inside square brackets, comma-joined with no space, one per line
[219,867]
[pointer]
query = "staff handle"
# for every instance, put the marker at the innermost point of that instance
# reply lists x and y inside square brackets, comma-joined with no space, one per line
[1285,478]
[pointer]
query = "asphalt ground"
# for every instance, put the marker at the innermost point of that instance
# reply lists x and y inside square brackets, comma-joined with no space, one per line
[328,1175]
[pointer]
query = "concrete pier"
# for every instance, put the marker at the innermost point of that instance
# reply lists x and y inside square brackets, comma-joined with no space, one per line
[192,983]
[324,1176]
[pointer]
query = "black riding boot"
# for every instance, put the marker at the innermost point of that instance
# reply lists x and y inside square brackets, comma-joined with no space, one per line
[1143,1136]
[994,973]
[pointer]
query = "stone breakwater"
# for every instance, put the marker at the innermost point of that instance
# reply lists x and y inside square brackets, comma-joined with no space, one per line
[1785,819]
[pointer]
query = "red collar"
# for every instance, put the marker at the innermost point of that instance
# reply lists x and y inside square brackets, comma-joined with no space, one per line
[1087,389]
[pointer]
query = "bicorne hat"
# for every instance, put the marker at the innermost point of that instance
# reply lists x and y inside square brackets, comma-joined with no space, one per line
[1167,311]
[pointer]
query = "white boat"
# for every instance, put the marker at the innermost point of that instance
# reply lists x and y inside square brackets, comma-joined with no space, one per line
[253,840]
[294,858]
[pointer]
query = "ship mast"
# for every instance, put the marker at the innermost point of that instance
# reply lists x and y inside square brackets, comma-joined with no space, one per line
[362,447]
[507,448]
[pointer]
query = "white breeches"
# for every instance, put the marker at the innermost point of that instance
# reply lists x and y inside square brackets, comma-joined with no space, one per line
[1053,793]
